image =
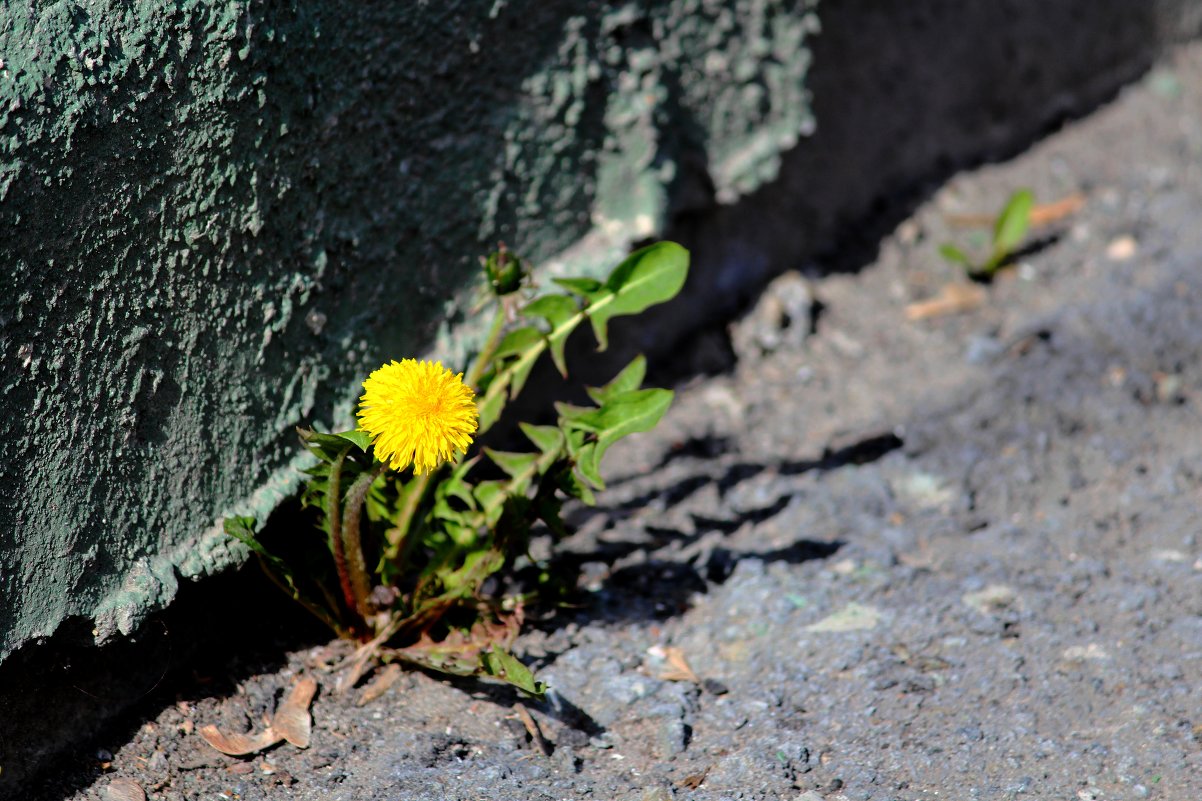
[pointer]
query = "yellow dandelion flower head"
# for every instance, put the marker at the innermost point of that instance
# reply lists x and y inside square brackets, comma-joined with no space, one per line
[417,413]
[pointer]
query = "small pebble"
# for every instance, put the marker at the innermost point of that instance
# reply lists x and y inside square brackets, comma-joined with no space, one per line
[1121,248]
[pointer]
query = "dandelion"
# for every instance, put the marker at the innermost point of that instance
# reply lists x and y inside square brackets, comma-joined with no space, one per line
[417,413]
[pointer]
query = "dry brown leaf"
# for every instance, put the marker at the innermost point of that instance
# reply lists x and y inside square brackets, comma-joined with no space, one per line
[1043,214]
[680,670]
[123,790]
[292,721]
[693,781]
[380,684]
[952,299]
[239,744]
[532,728]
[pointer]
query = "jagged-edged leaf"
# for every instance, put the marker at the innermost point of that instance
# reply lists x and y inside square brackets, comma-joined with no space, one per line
[1012,223]
[630,378]
[624,414]
[500,664]
[646,277]
[514,464]
[627,412]
[562,315]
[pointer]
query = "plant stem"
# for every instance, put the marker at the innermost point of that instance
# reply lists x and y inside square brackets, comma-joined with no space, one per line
[484,357]
[352,542]
[333,499]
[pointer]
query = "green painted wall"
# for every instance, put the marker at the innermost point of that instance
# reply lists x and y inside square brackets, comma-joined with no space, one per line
[216,217]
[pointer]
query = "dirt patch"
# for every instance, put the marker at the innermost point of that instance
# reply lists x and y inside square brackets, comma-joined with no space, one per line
[954,557]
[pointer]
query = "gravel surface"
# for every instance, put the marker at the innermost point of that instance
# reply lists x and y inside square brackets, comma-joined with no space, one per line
[954,557]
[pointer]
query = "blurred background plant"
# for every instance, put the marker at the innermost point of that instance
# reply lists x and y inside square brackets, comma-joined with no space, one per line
[1009,230]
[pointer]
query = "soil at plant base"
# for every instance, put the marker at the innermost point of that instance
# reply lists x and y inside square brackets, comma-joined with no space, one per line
[894,552]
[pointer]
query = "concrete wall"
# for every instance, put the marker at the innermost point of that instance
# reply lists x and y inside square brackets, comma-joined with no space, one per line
[216,217]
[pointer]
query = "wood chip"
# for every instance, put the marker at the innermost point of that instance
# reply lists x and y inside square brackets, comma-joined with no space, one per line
[679,670]
[953,298]
[1043,214]
[292,721]
[380,684]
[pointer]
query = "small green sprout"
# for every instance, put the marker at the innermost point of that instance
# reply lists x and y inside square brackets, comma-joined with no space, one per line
[417,515]
[1009,230]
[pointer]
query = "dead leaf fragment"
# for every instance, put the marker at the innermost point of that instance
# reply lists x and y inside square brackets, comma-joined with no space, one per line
[380,684]
[238,744]
[532,728]
[123,790]
[292,720]
[953,298]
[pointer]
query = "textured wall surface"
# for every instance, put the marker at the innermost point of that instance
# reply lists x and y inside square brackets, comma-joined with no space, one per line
[215,217]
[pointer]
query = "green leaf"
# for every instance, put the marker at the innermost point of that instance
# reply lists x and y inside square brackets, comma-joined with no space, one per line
[526,344]
[327,447]
[489,408]
[648,276]
[519,341]
[515,357]
[626,413]
[587,288]
[570,414]
[477,566]
[547,439]
[588,463]
[562,315]
[572,485]
[361,439]
[500,664]
[954,254]
[630,378]
[1012,223]
[515,465]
